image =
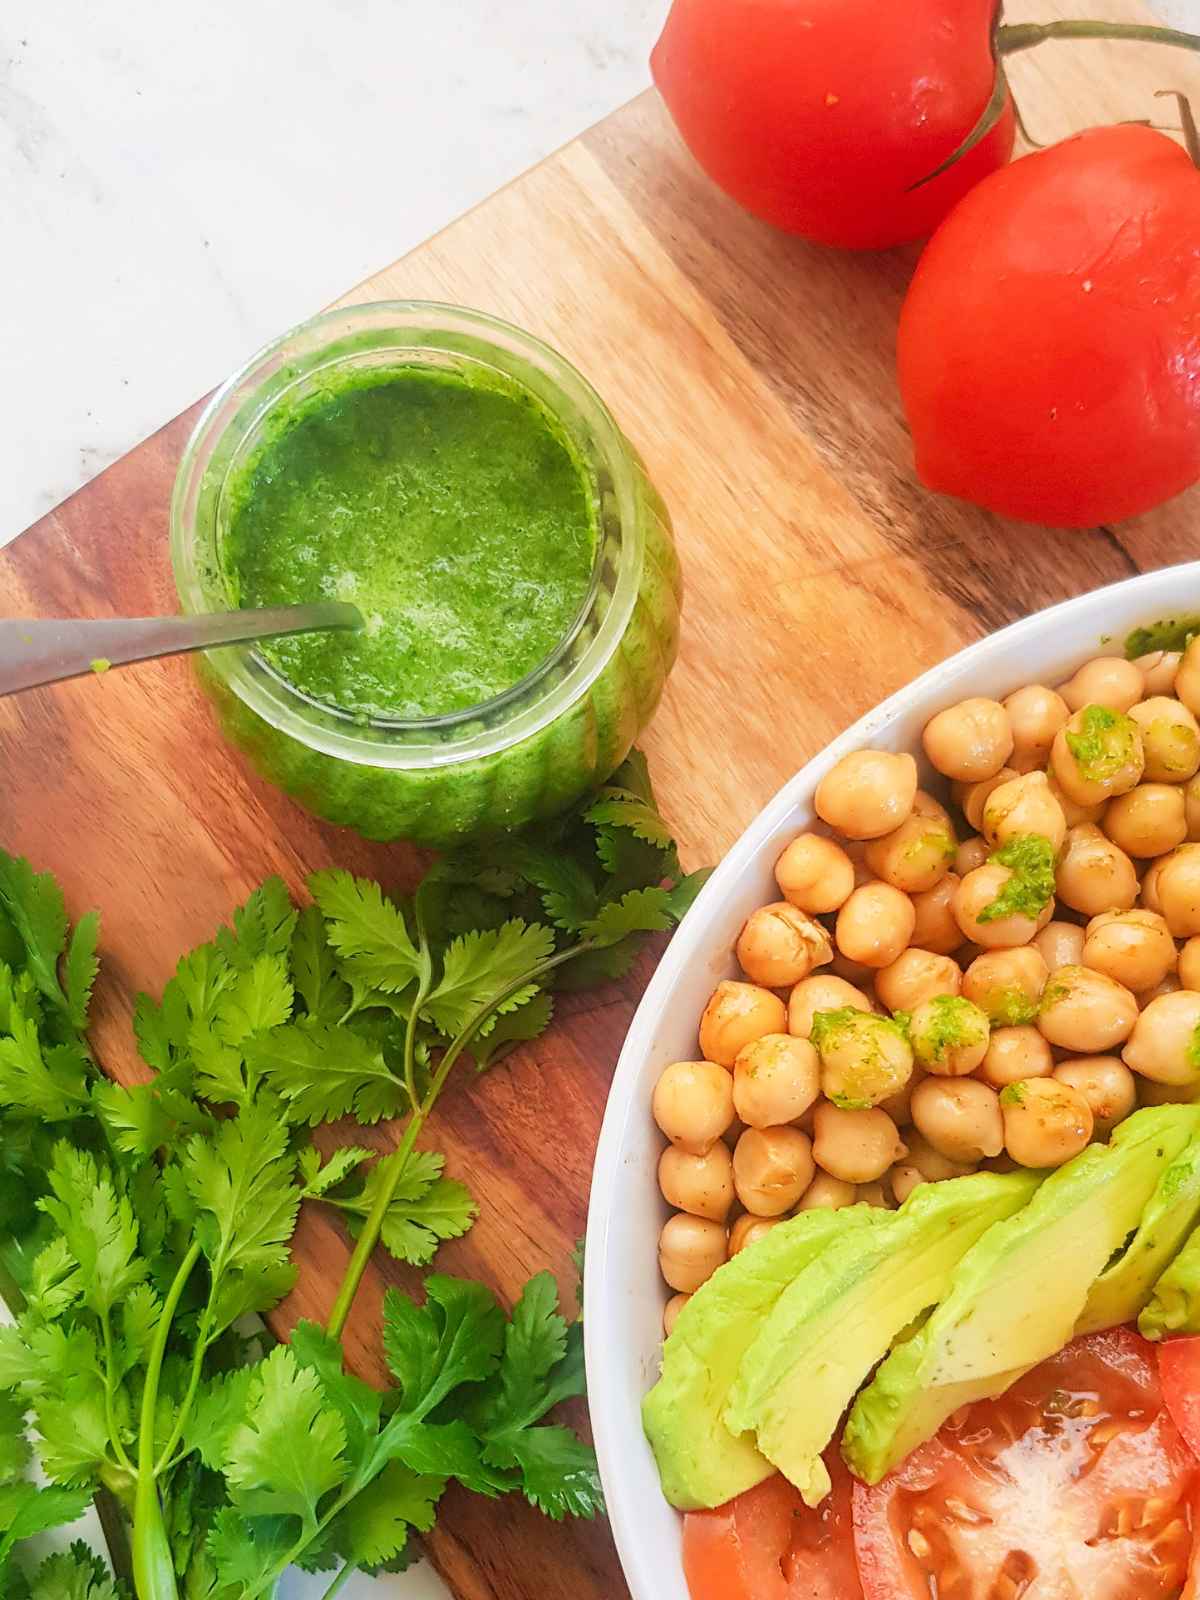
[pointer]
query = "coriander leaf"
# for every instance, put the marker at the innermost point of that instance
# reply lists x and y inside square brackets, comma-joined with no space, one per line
[56,1280]
[153,1034]
[323,1073]
[558,1472]
[34,905]
[374,1526]
[479,967]
[424,1210]
[618,808]
[74,1434]
[25,1510]
[638,911]
[682,896]
[534,1342]
[200,980]
[139,1318]
[356,1402]
[513,1028]
[14,1446]
[259,998]
[566,888]
[246,1551]
[81,968]
[50,1084]
[221,1074]
[606,965]
[74,1574]
[440,1450]
[262,926]
[368,931]
[324,992]
[220,1408]
[146,1117]
[317,1178]
[290,1450]
[97,1224]
[454,1338]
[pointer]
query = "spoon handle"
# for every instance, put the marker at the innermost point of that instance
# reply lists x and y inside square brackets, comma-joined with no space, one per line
[38,652]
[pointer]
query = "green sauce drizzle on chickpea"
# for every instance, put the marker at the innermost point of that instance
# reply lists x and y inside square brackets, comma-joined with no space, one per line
[1030,859]
[1104,743]
[949,1023]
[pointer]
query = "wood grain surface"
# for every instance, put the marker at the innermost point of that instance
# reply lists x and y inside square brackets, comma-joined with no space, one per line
[755,374]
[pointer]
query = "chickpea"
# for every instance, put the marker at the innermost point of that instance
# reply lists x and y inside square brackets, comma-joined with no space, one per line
[690,1249]
[971,854]
[1093,873]
[1165,1094]
[1189,964]
[1170,739]
[1107,1085]
[1035,715]
[914,976]
[1148,821]
[772,1167]
[693,1104]
[1168,985]
[775,1080]
[971,798]
[1021,806]
[864,1057]
[1006,985]
[1086,1011]
[735,1014]
[1187,676]
[877,1195]
[916,855]
[856,1146]
[1133,947]
[970,740]
[949,1036]
[814,873]
[904,1180]
[671,1312]
[1109,681]
[1191,808]
[875,925]
[748,1230]
[1016,1053]
[930,1163]
[936,928]
[1149,889]
[1072,810]
[1164,1042]
[700,1185]
[928,805]
[822,992]
[978,893]
[1060,944]
[780,944]
[868,793]
[1158,670]
[827,1194]
[960,1117]
[1178,888]
[851,972]
[899,1105]
[1046,1122]
[1097,754]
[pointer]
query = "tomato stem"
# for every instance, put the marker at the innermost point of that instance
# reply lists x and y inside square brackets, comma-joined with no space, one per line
[1013,36]
[1187,118]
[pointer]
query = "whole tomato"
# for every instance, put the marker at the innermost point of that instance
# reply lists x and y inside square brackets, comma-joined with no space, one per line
[820,115]
[1049,347]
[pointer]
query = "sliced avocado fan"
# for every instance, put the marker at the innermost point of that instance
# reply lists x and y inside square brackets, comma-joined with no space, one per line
[700,1463]
[838,1318]
[1019,1293]
[1174,1307]
[1124,1287]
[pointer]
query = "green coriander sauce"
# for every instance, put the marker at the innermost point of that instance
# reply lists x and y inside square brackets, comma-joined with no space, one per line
[453,511]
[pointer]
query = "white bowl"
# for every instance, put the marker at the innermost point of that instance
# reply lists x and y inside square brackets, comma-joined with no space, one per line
[624,1295]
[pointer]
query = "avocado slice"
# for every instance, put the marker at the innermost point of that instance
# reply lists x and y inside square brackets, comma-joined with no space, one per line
[1124,1287]
[700,1463]
[831,1326]
[1174,1307]
[1019,1293]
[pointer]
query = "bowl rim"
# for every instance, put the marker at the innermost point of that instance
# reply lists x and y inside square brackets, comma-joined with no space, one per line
[615,1414]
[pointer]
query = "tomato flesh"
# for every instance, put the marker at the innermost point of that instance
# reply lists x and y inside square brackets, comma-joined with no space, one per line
[1179,1370]
[767,1545]
[1075,1485]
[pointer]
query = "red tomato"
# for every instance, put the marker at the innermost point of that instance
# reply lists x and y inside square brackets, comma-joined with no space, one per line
[767,1545]
[1179,1369]
[1050,342]
[1074,1484]
[820,115]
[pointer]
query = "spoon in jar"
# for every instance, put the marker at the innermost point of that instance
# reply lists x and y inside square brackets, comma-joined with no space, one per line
[35,653]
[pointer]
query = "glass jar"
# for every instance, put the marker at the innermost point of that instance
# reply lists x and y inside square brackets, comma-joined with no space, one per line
[533,750]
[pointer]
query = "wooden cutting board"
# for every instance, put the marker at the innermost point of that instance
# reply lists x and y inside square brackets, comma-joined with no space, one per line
[754,373]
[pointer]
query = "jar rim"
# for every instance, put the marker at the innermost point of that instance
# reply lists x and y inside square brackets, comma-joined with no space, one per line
[525,707]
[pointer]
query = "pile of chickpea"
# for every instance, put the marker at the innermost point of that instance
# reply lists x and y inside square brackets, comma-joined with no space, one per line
[958,1040]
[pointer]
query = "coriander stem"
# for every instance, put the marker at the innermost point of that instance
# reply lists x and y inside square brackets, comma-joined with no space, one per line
[189,1397]
[347,1571]
[110,1416]
[372,1227]
[424,983]
[153,1568]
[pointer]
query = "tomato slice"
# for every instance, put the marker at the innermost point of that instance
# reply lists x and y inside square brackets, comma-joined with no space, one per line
[1179,1370]
[1075,1485]
[768,1545]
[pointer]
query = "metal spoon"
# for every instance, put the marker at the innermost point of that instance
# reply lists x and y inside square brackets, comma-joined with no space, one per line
[33,653]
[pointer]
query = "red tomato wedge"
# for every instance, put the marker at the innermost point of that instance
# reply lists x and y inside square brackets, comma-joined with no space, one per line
[1075,1485]
[767,1545]
[1179,1371]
